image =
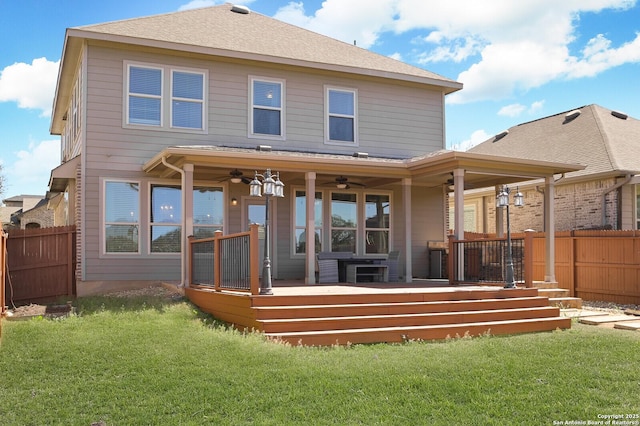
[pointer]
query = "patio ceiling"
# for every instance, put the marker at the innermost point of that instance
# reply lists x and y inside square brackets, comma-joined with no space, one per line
[213,163]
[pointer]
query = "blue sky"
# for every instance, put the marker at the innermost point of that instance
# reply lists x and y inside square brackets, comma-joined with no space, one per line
[519,61]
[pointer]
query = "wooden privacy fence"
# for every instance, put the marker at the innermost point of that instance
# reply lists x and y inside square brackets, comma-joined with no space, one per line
[40,264]
[3,268]
[594,265]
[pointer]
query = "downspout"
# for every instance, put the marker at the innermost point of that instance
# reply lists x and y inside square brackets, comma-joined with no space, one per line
[626,180]
[184,220]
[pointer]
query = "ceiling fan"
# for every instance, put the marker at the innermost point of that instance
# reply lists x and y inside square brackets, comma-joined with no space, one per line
[342,182]
[236,176]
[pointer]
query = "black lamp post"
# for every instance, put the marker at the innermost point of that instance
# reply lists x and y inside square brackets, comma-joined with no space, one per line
[502,200]
[269,188]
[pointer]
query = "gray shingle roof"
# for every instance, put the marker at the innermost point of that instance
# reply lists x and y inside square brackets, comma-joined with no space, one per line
[220,29]
[595,138]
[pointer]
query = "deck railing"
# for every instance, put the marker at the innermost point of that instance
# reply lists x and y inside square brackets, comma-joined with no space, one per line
[484,260]
[226,262]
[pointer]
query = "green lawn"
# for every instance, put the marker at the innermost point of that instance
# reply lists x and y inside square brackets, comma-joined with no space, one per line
[151,361]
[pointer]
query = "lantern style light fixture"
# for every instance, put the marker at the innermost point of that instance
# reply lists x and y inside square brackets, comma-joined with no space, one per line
[264,184]
[502,200]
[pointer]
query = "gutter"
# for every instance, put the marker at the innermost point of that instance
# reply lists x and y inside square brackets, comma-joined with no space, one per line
[183,246]
[626,180]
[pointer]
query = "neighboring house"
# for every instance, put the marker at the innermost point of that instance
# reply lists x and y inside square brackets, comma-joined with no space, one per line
[26,211]
[604,195]
[163,119]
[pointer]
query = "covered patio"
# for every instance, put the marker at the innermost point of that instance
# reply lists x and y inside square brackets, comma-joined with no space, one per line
[414,189]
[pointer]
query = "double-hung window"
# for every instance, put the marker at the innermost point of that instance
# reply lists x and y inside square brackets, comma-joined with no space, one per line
[301,220]
[344,222]
[266,114]
[165,98]
[166,219]
[187,100]
[144,100]
[208,211]
[121,217]
[377,209]
[341,115]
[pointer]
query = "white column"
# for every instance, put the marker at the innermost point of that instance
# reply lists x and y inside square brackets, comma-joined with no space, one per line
[458,220]
[408,243]
[458,203]
[550,231]
[310,230]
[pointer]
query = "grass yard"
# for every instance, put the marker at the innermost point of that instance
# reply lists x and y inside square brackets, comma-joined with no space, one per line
[157,361]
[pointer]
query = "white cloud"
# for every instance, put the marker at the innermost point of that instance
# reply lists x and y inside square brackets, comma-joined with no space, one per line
[512,110]
[32,86]
[515,110]
[349,21]
[33,167]
[197,4]
[515,46]
[476,138]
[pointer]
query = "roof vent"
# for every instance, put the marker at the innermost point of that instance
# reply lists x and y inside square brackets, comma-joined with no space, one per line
[265,148]
[501,135]
[572,115]
[620,115]
[361,154]
[244,10]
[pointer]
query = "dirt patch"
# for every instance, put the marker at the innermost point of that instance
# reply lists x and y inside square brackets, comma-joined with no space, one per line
[61,310]
[34,310]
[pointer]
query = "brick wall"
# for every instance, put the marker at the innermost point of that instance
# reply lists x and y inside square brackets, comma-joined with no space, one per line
[577,206]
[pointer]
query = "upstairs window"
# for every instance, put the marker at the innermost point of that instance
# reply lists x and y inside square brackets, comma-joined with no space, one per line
[187,100]
[266,116]
[145,96]
[341,120]
[165,98]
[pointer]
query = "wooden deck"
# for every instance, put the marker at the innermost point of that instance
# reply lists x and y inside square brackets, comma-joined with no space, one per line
[360,313]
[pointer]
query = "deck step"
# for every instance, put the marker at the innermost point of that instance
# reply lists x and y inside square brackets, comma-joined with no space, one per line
[405,320]
[360,309]
[426,332]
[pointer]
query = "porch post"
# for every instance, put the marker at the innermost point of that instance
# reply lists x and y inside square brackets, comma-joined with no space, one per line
[458,203]
[499,214]
[458,221]
[310,229]
[408,243]
[550,230]
[187,209]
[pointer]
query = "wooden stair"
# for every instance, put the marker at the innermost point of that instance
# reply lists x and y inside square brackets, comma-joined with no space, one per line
[559,297]
[323,320]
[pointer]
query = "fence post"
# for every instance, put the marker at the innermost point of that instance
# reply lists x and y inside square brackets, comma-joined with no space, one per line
[217,260]
[528,258]
[3,271]
[451,259]
[254,255]
[572,265]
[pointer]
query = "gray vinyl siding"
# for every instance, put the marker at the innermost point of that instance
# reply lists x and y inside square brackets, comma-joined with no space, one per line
[394,121]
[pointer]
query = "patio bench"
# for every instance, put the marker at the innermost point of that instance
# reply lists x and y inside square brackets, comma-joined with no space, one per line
[377,272]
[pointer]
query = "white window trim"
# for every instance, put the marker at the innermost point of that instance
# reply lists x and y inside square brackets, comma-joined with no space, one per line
[282,109]
[364,220]
[104,223]
[166,98]
[149,224]
[327,139]
[203,102]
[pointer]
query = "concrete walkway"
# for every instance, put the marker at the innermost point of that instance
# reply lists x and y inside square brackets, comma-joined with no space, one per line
[606,319]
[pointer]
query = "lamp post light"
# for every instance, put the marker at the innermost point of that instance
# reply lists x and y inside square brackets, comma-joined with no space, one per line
[502,200]
[264,184]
